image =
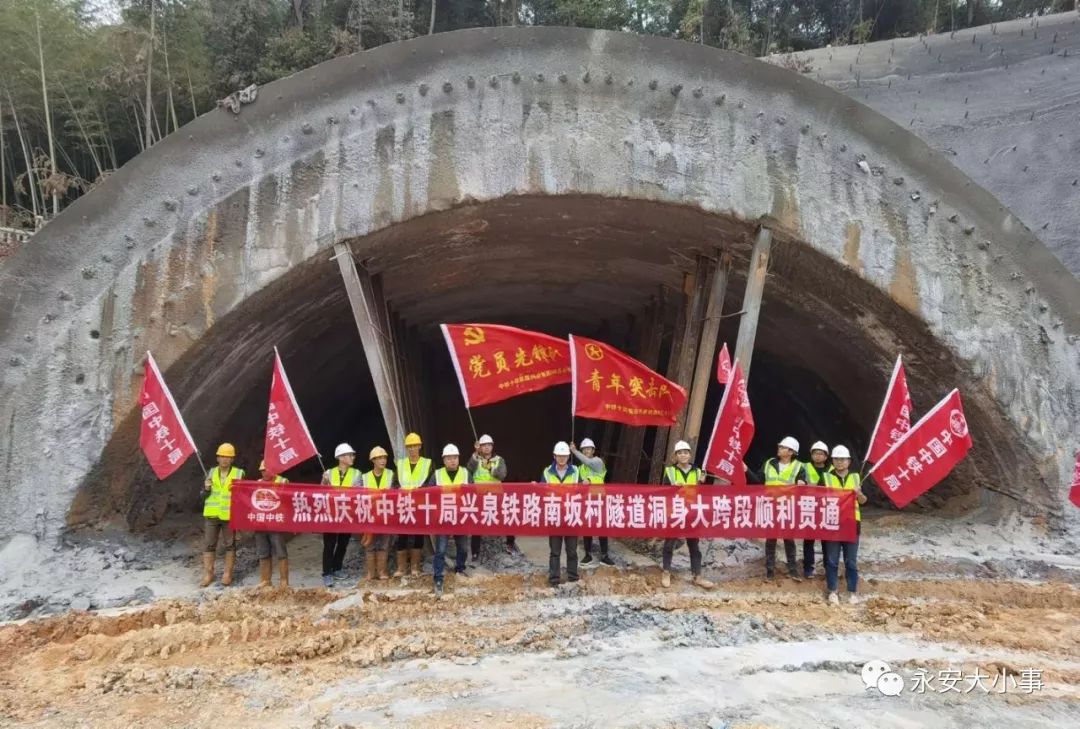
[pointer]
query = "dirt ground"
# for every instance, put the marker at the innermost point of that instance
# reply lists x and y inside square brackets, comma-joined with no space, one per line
[502,649]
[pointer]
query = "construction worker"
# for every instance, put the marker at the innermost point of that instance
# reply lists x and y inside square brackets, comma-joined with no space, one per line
[592,470]
[840,476]
[783,470]
[815,476]
[334,546]
[265,542]
[486,467]
[379,478]
[683,473]
[217,498]
[561,471]
[450,475]
[413,472]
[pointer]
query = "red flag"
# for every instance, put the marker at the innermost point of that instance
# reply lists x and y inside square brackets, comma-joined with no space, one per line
[163,435]
[926,453]
[288,440]
[732,432]
[612,385]
[1074,490]
[495,362]
[895,417]
[723,365]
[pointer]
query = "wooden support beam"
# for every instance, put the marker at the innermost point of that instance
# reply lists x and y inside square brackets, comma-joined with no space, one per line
[632,440]
[376,342]
[705,367]
[751,308]
[691,332]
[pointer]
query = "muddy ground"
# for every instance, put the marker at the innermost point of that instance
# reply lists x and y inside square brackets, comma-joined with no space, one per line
[501,649]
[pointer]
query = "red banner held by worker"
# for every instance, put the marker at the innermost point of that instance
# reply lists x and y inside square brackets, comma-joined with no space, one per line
[612,385]
[926,454]
[542,510]
[163,436]
[732,432]
[895,417]
[723,365]
[1074,490]
[288,440]
[495,362]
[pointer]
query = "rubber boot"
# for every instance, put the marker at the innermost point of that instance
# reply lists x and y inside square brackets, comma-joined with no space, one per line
[417,562]
[402,563]
[208,569]
[369,564]
[283,572]
[703,583]
[380,564]
[265,570]
[665,579]
[230,562]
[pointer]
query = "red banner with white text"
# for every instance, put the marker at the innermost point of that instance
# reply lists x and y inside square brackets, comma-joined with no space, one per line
[612,385]
[626,511]
[1074,489]
[163,436]
[288,440]
[732,432]
[895,417]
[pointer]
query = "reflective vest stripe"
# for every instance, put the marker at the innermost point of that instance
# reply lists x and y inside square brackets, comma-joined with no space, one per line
[777,477]
[483,475]
[382,484]
[410,476]
[572,475]
[851,482]
[590,476]
[813,475]
[343,483]
[676,476]
[219,501]
[442,477]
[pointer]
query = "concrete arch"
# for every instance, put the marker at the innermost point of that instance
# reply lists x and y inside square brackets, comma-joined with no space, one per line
[207,221]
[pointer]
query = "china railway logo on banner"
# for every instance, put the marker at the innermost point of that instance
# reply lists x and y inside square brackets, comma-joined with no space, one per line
[265,499]
[958,424]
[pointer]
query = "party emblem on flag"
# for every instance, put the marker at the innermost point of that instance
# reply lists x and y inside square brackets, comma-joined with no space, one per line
[612,385]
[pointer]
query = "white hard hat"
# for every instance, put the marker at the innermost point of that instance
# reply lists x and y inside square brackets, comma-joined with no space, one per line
[561,449]
[680,445]
[343,449]
[819,446]
[587,443]
[486,440]
[841,452]
[791,443]
[450,450]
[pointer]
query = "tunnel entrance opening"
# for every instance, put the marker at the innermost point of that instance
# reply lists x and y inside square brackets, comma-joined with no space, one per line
[575,264]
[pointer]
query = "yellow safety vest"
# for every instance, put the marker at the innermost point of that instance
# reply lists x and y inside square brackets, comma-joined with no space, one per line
[343,483]
[442,477]
[589,476]
[219,501]
[382,484]
[781,476]
[815,477]
[572,475]
[483,475]
[413,477]
[849,483]
[277,479]
[676,476]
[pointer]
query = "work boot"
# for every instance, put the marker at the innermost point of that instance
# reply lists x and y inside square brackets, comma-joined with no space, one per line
[769,573]
[380,565]
[854,598]
[265,570]
[283,572]
[665,579]
[587,559]
[230,562]
[793,573]
[438,589]
[208,569]
[402,563]
[834,599]
[417,562]
[607,560]
[703,583]
[369,566]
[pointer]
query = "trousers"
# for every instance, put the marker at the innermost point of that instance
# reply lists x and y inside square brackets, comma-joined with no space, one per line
[695,554]
[333,552]
[556,545]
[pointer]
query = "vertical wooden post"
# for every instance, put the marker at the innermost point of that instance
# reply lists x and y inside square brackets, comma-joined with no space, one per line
[751,308]
[632,440]
[710,330]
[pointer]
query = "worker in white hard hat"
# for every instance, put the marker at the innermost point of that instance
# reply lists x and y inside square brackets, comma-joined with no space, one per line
[217,500]
[341,476]
[561,471]
[840,476]
[682,472]
[486,467]
[783,470]
[815,476]
[271,543]
[379,478]
[413,471]
[592,470]
[451,475]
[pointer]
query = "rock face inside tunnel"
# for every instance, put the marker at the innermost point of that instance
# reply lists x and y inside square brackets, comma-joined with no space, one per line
[547,177]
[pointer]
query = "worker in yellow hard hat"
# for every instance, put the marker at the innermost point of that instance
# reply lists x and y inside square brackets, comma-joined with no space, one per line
[413,472]
[217,498]
[271,542]
[379,478]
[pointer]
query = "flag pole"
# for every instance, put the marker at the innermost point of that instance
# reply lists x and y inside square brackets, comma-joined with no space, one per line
[475,437]
[202,465]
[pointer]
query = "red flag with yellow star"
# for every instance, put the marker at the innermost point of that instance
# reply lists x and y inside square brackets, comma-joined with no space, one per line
[612,385]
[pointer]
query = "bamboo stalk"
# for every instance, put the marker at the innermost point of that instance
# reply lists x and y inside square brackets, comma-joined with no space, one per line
[31,178]
[3,164]
[168,82]
[48,115]
[149,130]
[82,130]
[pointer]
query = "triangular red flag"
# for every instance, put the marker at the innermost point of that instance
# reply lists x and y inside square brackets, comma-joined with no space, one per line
[732,432]
[895,417]
[288,440]
[612,385]
[163,436]
[1074,490]
[723,365]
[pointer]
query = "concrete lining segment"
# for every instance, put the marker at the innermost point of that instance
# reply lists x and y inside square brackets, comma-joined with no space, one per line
[185,233]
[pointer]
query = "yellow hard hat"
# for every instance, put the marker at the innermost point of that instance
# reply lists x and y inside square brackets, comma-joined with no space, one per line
[376,452]
[227,450]
[413,439]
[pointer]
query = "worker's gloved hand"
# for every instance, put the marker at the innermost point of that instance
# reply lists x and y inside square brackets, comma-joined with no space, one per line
[367,540]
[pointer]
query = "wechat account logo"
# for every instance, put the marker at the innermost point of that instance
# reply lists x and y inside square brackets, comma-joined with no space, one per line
[877,674]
